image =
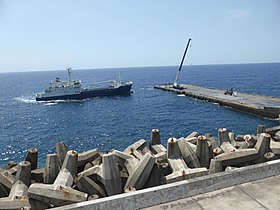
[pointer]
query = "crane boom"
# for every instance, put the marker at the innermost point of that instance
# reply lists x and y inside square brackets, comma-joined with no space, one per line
[175,84]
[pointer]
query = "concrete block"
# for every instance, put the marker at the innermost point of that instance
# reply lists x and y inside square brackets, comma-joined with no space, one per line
[139,145]
[37,175]
[108,172]
[250,141]
[223,136]
[212,142]
[6,180]
[227,147]
[32,157]
[129,190]
[61,150]
[87,157]
[217,151]
[269,156]
[191,140]
[111,175]
[277,136]
[231,137]
[154,179]
[275,147]
[155,137]
[263,146]
[140,174]
[273,130]
[208,135]
[92,173]
[71,162]
[192,146]
[215,166]
[193,134]
[188,154]
[240,138]
[158,148]
[11,164]
[202,151]
[237,157]
[136,149]
[97,161]
[3,191]
[51,169]
[60,192]
[57,195]
[260,129]
[161,157]
[87,185]
[18,195]
[180,171]
[173,150]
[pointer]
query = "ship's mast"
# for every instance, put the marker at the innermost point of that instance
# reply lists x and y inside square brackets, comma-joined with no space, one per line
[69,69]
[175,84]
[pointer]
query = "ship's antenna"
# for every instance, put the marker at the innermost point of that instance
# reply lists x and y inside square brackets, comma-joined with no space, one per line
[177,75]
[69,69]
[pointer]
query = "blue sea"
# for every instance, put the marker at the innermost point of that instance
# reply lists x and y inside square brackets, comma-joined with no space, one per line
[116,122]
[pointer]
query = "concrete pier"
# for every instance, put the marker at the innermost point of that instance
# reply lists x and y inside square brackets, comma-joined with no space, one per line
[264,106]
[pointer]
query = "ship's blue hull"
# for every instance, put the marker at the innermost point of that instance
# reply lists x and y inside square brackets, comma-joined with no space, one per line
[91,93]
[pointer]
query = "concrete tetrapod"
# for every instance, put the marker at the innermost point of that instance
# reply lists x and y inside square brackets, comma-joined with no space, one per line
[182,172]
[223,136]
[273,130]
[215,166]
[60,192]
[260,129]
[237,157]
[107,173]
[87,185]
[227,147]
[140,173]
[155,137]
[202,151]
[32,157]
[87,157]
[18,196]
[188,154]
[6,181]
[111,175]
[275,147]
[263,146]
[173,150]
[51,168]
[61,150]
[136,149]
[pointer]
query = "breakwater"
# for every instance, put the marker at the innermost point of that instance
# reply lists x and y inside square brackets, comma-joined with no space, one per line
[69,177]
[264,106]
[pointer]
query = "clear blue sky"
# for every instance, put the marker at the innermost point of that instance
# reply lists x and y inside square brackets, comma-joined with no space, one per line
[50,34]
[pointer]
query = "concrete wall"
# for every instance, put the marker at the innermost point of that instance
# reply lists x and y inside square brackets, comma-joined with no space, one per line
[182,189]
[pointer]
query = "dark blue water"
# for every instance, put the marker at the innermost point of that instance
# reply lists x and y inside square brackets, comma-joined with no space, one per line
[116,122]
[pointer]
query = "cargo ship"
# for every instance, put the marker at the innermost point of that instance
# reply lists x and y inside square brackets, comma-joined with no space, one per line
[74,90]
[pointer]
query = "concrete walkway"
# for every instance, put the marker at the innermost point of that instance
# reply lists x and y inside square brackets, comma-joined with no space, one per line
[261,194]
